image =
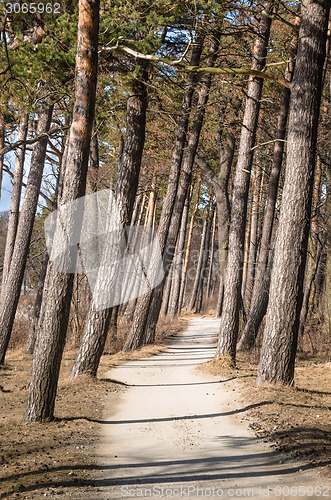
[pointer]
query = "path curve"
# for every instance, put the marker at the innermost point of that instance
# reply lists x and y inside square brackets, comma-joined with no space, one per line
[177,432]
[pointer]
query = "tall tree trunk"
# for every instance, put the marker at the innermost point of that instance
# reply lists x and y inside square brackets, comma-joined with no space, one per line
[15,199]
[135,337]
[2,145]
[197,278]
[221,186]
[253,242]
[178,259]
[232,290]
[95,335]
[183,186]
[167,293]
[203,268]
[57,295]
[41,282]
[12,289]
[327,303]
[263,266]
[275,171]
[286,288]
[188,246]
[211,259]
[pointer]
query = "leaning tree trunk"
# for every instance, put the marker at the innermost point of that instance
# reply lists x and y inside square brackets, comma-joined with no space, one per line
[15,199]
[13,284]
[229,323]
[183,186]
[277,160]
[196,282]
[135,337]
[2,144]
[95,335]
[263,266]
[178,260]
[31,340]
[221,186]
[56,303]
[286,289]
[253,241]
[188,247]
[204,268]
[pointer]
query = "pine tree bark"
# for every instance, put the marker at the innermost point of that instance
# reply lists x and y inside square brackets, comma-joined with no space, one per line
[135,337]
[95,335]
[221,186]
[286,289]
[232,290]
[14,279]
[57,295]
[15,199]
[178,260]
[32,336]
[202,275]
[188,246]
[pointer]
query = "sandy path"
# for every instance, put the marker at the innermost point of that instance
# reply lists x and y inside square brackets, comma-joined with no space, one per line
[179,429]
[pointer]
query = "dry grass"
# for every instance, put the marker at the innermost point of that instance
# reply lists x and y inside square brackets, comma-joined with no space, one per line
[57,458]
[295,419]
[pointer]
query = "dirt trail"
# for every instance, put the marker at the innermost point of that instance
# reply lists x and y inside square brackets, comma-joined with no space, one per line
[175,429]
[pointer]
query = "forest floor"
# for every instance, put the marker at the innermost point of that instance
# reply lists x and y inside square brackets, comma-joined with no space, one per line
[56,458]
[181,431]
[62,458]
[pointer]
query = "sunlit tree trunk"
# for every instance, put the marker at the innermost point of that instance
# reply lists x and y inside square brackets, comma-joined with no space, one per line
[135,337]
[232,290]
[95,335]
[57,295]
[178,260]
[15,199]
[286,288]
[14,279]
[188,246]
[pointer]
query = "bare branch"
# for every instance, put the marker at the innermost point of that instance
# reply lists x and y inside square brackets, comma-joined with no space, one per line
[197,69]
[17,144]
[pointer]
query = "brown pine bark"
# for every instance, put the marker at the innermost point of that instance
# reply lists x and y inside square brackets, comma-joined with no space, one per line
[57,295]
[232,290]
[15,199]
[14,279]
[286,289]
[211,259]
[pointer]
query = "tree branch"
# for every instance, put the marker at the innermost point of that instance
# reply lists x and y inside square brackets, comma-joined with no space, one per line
[17,144]
[197,69]
[6,169]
